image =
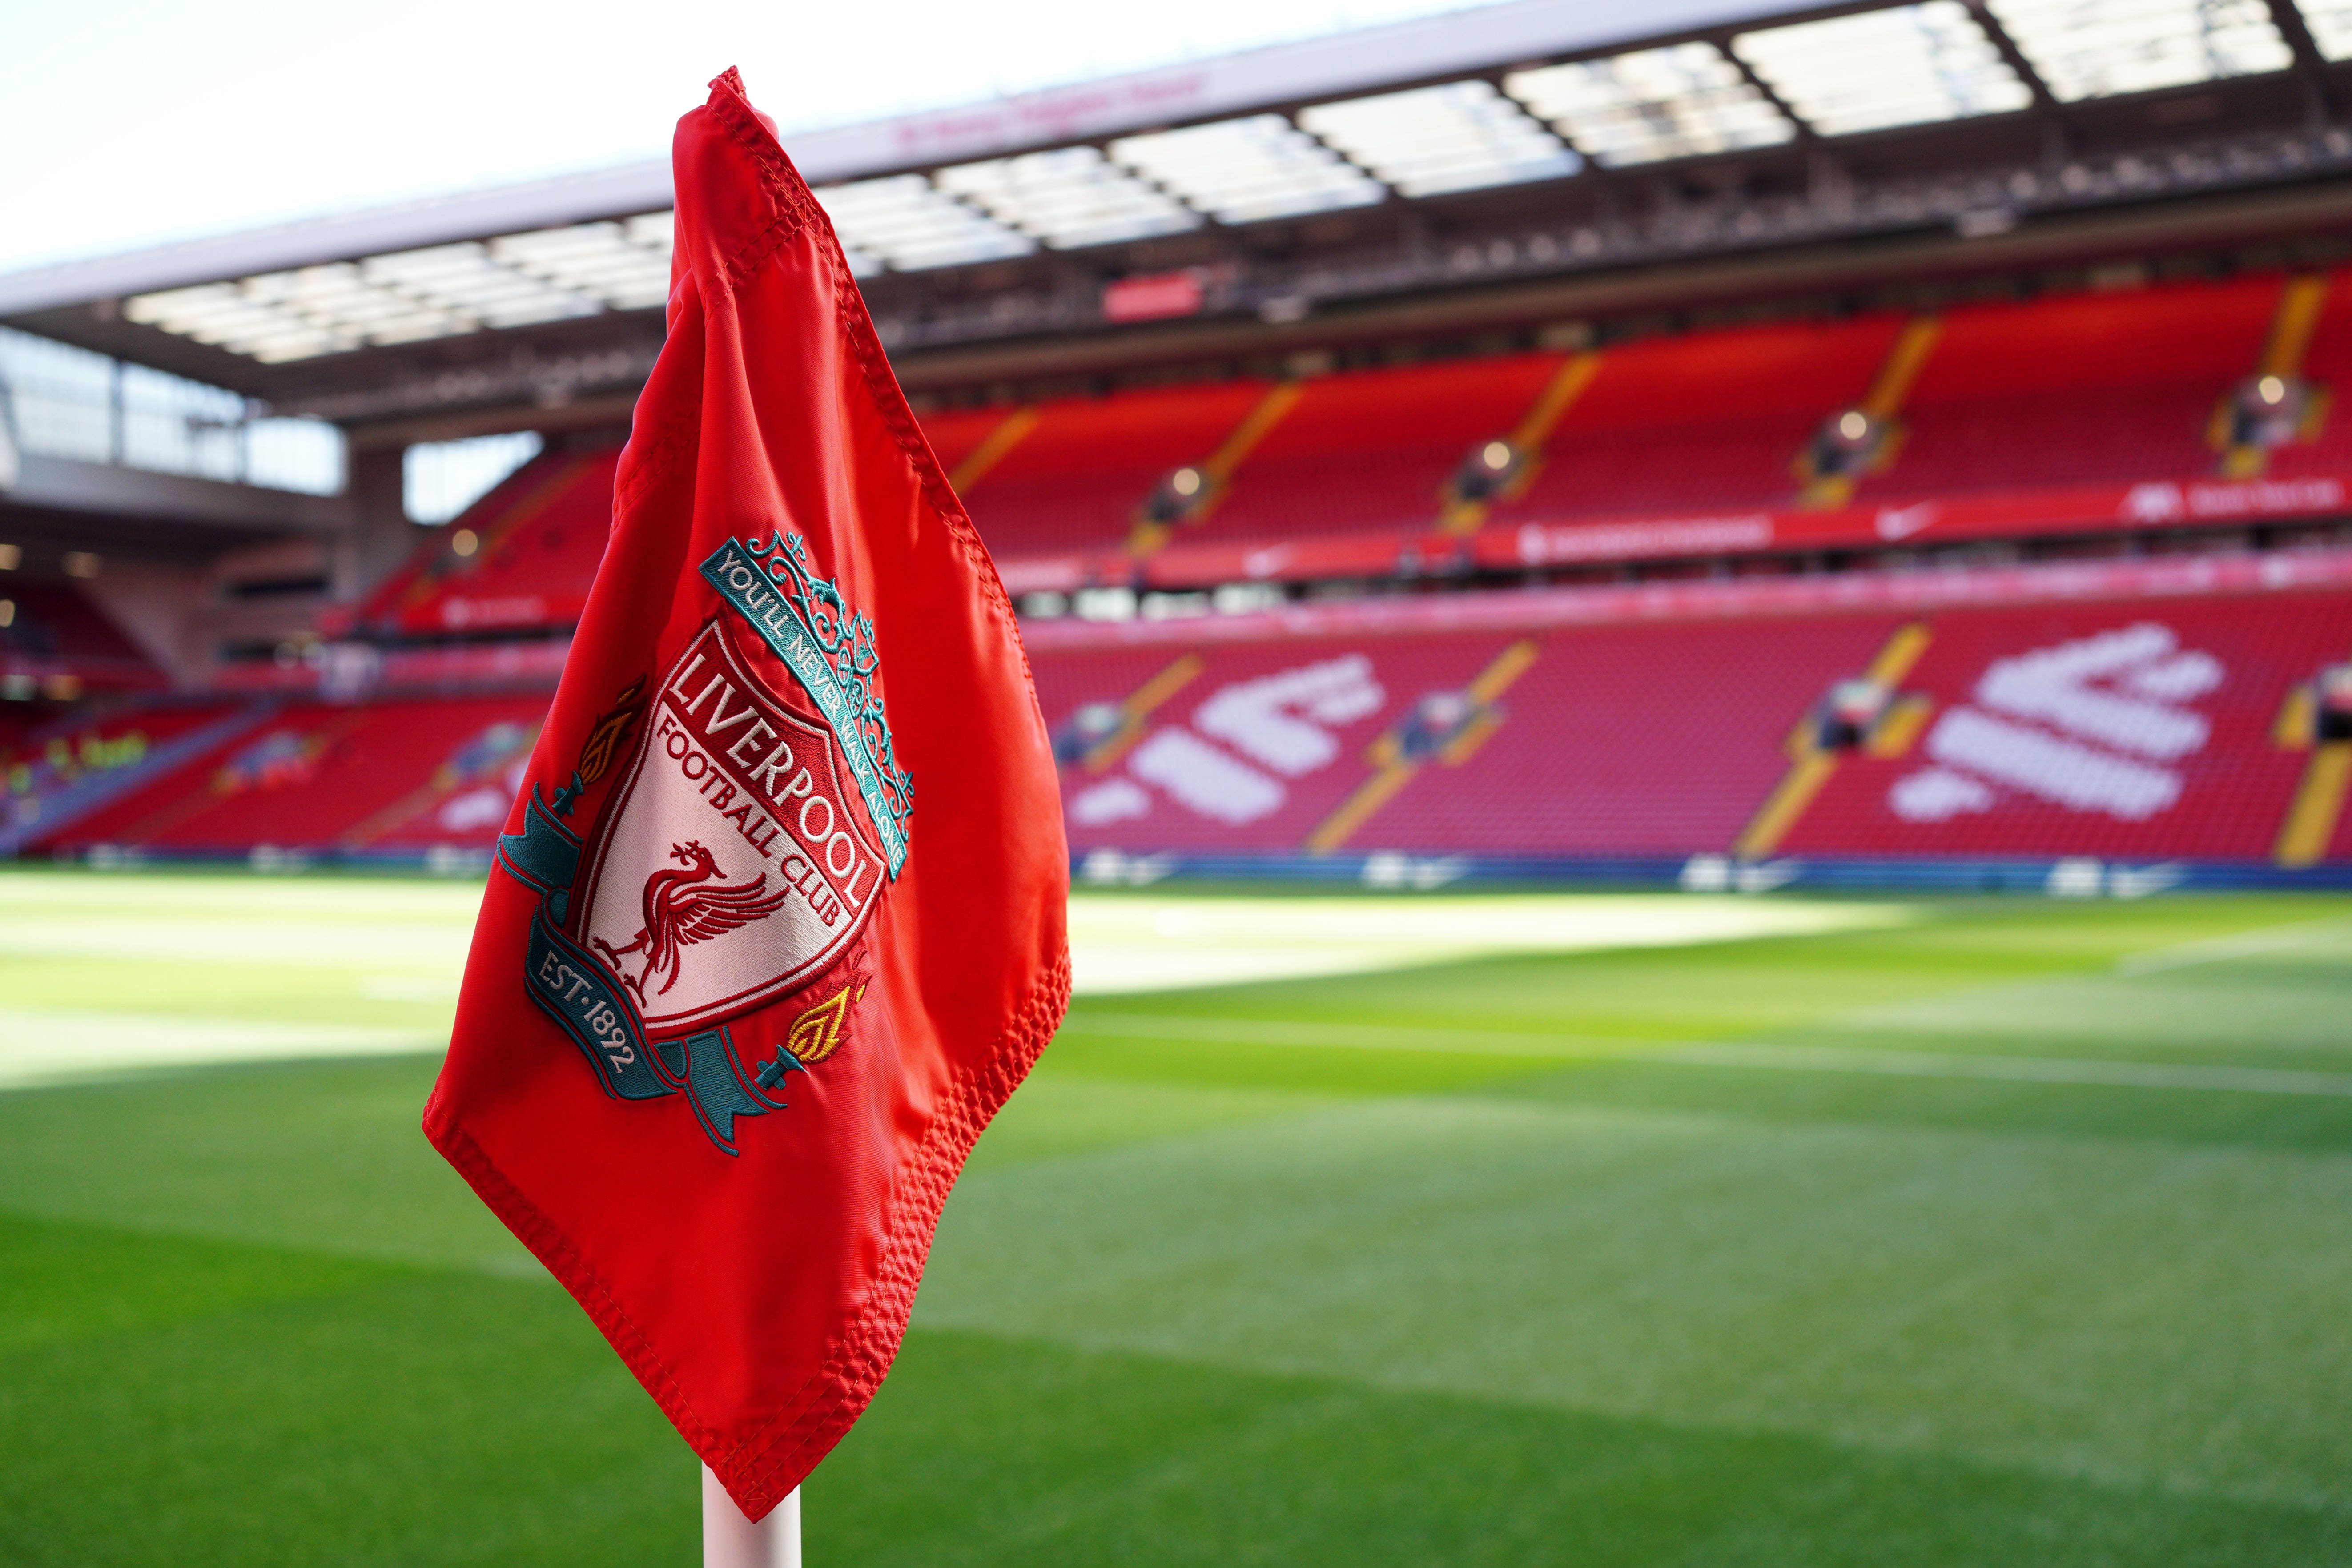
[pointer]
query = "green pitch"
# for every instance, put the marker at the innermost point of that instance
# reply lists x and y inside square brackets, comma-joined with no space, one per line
[1794,1232]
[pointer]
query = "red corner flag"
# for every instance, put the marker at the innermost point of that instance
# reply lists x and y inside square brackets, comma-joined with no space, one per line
[777,923]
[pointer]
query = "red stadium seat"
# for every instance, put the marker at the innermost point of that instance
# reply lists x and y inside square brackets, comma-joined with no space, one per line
[2136,731]
[321,776]
[2146,729]
[1707,422]
[2079,389]
[1372,449]
[537,538]
[1078,477]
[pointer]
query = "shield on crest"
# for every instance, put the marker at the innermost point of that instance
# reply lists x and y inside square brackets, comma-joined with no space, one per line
[733,864]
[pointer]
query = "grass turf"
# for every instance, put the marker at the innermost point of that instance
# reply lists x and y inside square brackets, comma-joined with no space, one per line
[1473,1263]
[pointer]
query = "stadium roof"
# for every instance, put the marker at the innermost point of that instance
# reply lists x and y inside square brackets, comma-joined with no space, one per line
[1244,167]
[1535,95]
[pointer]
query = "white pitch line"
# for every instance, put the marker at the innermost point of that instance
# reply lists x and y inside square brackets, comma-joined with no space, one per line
[1778,1059]
[2220,949]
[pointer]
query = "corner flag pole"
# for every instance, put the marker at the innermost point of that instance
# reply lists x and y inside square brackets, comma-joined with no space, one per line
[730,1541]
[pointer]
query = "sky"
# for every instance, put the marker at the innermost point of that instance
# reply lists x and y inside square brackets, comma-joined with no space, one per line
[132,123]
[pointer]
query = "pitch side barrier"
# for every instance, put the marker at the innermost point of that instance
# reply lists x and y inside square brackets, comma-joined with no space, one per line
[2058,877]
[1388,872]
[1916,524]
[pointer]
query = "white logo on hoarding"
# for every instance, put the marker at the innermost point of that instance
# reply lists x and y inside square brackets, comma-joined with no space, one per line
[1903,522]
[2154,503]
[2089,725]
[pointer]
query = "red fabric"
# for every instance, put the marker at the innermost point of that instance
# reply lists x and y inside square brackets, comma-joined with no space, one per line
[759,1293]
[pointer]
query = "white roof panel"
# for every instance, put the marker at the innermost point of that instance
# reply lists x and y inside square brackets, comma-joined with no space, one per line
[2330,22]
[607,262]
[1906,65]
[908,222]
[1456,136]
[1638,107]
[1069,197]
[1243,170]
[1362,59]
[2094,48]
[411,296]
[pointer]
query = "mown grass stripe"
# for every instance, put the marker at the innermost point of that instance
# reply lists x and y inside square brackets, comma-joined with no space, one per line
[2237,945]
[1226,1031]
[1709,1054]
[2015,1069]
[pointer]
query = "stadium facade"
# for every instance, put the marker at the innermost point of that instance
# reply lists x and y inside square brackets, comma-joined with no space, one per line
[1719,442]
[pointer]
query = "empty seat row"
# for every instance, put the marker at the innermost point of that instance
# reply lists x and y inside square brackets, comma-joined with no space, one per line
[2098,388]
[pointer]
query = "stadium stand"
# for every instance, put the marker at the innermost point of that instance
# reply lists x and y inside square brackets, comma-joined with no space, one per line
[51,632]
[1367,471]
[1708,468]
[2122,386]
[1079,473]
[2325,367]
[1354,471]
[2161,710]
[1624,739]
[2150,728]
[2198,712]
[957,434]
[354,779]
[1707,421]
[1374,449]
[519,558]
[55,774]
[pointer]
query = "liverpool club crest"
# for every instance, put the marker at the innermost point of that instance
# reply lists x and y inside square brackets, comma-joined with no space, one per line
[733,861]
[738,859]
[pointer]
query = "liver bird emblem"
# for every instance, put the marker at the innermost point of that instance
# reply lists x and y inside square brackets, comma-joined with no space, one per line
[682,908]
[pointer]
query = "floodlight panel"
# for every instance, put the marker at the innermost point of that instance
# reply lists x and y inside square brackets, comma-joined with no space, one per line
[1067,197]
[2095,48]
[1456,136]
[908,222]
[1906,65]
[1679,101]
[1247,170]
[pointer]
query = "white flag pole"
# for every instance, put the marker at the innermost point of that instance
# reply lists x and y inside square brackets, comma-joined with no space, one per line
[730,1541]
